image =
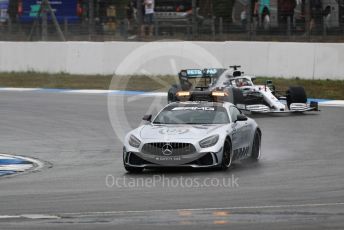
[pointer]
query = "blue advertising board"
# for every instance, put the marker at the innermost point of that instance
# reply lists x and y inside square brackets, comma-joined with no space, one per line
[64,9]
[263,4]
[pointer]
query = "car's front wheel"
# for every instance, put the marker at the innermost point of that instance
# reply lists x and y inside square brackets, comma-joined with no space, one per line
[227,155]
[296,94]
[256,150]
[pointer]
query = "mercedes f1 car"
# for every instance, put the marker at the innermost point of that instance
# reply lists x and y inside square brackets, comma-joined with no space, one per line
[192,134]
[240,90]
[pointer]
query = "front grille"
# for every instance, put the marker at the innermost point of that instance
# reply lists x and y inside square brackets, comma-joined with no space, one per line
[178,149]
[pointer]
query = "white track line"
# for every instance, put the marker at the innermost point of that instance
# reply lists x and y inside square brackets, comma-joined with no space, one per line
[336,103]
[87,214]
[38,216]
[209,209]
[20,89]
[8,217]
[2,157]
[88,91]
[17,167]
[30,216]
[84,91]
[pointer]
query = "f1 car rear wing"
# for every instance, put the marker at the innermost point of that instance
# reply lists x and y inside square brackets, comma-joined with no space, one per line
[201,73]
[198,78]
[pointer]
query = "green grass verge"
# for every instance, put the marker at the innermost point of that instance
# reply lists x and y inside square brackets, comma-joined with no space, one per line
[328,89]
[62,80]
[332,89]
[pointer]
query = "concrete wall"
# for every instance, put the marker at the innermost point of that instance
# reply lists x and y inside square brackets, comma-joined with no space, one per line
[305,60]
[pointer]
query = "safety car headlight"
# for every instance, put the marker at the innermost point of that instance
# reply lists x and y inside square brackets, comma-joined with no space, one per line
[134,141]
[209,141]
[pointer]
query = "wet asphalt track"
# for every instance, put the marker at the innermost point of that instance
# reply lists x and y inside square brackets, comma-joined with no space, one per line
[298,184]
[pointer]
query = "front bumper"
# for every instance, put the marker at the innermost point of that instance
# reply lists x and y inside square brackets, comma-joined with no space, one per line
[199,160]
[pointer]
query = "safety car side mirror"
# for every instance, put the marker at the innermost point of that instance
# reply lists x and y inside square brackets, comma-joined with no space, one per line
[241,117]
[147,117]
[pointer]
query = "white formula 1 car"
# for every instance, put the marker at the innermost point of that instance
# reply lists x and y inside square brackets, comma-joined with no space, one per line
[240,90]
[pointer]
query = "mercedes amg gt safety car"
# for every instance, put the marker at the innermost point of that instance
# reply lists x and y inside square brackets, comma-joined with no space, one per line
[192,134]
[240,90]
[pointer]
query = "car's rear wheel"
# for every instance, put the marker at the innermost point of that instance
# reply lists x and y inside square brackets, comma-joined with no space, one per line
[227,155]
[133,169]
[256,150]
[296,94]
[235,96]
[171,95]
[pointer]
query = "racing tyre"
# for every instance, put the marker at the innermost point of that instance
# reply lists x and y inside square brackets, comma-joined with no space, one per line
[296,94]
[227,155]
[171,95]
[133,169]
[238,97]
[235,96]
[256,150]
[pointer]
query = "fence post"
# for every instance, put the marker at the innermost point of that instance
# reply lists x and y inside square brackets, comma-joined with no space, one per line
[9,25]
[308,19]
[44,23]
[189,30]
[289,27]
[221,26]
[139,17]
[254,30]
[213,30]
[194,18]
[91,18]
[156,27]
[324,27]
[65,27]
[18,24]
[249,20]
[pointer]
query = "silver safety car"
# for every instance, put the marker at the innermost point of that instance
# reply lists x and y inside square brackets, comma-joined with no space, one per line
[192,134]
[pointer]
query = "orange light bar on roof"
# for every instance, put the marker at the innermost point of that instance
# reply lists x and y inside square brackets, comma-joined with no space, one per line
[219,94]
[183,94]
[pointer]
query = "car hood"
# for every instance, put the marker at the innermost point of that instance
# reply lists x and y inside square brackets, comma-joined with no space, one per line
[178,132]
